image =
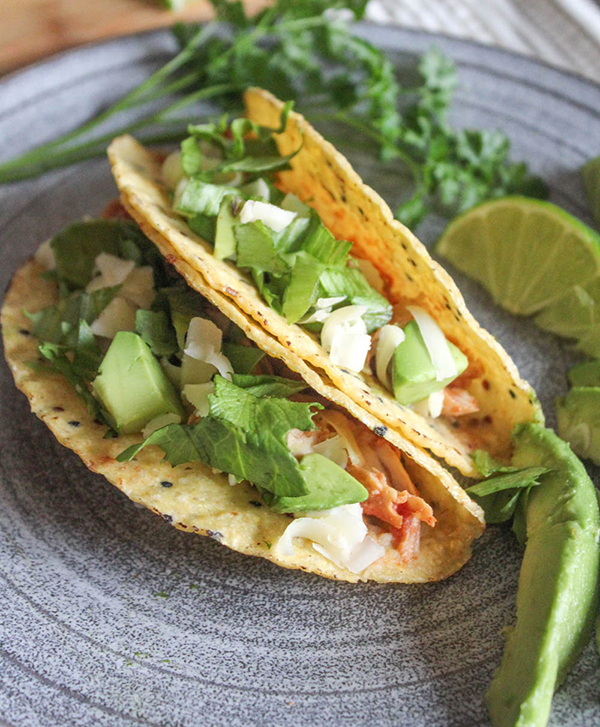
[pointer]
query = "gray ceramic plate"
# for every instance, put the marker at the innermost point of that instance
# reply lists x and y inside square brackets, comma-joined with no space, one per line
[111,617]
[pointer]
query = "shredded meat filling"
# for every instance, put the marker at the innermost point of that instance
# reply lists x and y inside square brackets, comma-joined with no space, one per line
[393,498]
[458,402]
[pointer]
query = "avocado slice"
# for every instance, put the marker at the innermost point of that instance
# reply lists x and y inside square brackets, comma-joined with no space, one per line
[578,419]
[586,373]
[328,486]
[132,385]
[414,376]
[557,593]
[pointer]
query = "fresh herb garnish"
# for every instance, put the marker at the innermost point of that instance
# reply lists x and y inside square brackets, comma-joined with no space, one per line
[233,437]
[504,493]
[302,52]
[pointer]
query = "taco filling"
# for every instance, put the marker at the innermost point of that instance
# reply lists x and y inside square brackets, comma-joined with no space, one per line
[151,356]
[223,181]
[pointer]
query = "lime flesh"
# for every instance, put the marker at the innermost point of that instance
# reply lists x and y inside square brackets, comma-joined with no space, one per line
[534,258]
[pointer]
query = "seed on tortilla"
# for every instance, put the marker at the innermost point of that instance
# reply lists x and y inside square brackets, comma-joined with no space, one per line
[512,393]
[168,518]
[380,430]
[166,483]
[57,408]
[25,332]
[254,503]
[74,423]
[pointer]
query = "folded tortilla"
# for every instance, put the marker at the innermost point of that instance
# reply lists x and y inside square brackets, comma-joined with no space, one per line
[323,179]
[194,498]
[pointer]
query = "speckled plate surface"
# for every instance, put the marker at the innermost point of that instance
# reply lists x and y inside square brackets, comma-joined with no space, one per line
[111,617]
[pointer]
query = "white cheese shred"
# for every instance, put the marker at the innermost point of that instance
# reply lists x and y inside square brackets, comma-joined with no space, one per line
[436,344]
[270,215]
[339,534]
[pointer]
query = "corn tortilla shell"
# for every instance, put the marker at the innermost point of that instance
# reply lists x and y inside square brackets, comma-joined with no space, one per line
[202,501]
[323,178]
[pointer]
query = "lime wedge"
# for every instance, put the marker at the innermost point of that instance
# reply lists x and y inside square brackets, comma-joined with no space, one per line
[591,182]
[534,258]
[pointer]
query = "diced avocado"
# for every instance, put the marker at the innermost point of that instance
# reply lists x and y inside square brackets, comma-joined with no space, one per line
[413,373]
[578,419]
[328,486]
[132,385]
[586,373]
[224,237]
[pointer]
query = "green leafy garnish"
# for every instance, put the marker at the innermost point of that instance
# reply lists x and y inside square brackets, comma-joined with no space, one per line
[156,330]
[60,363]
[244,434]
[58,323]
[295,50]
[78,245]
[351,283]
[243,358]
[504,496]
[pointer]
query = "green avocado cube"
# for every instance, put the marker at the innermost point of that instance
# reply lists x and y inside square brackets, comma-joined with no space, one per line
[225,245]
[328,486]
[132,385]
[414,376]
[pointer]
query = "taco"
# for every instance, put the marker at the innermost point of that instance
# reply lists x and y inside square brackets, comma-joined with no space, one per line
[274,219]
[165,387]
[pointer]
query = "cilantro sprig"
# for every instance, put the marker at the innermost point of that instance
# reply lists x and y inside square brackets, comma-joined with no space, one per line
[233,437]
[305,52]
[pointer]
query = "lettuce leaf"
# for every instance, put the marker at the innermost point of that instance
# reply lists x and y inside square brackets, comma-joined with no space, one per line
[244,434]
[501,495]
[256,249]
[353,284]
[156,330]
[56,323]
[243,358]
[78,245]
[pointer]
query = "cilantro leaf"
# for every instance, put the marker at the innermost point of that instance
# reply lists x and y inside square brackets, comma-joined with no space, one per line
[56,323]
[500,494]
[78,245]
[268,385]
[244,435]
[243,358]
[351,283]
[256,249]
[60,363]
[156,330]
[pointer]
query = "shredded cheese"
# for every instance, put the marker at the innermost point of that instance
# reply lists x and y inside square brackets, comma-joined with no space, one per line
[390,337]
[339,534]
[436,344]
[270,215]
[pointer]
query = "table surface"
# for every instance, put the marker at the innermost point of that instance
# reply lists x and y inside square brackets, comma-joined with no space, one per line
[34,29]
[551,30]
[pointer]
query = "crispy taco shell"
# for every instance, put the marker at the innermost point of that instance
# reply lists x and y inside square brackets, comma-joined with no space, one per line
[323,178]
[201,501]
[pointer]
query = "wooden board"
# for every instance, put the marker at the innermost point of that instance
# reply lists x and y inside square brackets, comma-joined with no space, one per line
[33,29]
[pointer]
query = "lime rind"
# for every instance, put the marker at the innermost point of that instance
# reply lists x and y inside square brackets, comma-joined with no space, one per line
[534,259]
[590,173]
